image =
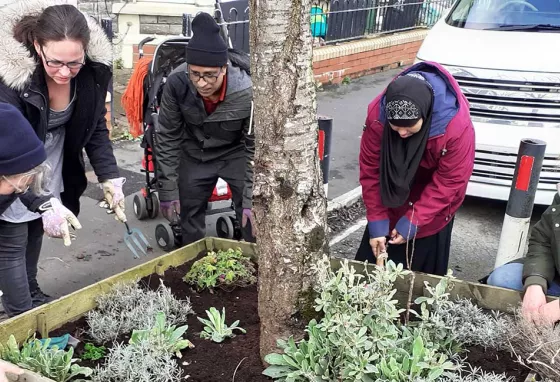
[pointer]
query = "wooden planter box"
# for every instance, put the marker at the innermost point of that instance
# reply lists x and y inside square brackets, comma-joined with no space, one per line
[75,305]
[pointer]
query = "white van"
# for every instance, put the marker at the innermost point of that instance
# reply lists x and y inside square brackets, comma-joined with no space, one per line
[505,54]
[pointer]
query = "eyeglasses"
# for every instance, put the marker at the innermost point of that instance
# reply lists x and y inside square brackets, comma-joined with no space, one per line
[23,179]
[209,78]
[59,64]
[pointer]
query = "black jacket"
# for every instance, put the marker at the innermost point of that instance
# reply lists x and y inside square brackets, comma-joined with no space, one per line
[23,85]
[184,128]
[542,264]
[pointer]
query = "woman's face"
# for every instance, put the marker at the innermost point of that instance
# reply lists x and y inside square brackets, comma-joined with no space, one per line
[406,132]
[62,60]
[15,184]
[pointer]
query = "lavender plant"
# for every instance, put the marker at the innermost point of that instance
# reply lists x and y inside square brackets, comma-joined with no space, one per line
[128,307]
[137,363]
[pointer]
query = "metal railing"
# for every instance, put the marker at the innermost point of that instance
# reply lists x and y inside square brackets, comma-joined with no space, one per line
[335,21]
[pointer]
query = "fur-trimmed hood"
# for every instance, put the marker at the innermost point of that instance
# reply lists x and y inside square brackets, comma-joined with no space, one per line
[16,65]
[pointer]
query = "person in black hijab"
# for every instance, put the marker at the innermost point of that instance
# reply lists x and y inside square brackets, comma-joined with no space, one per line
[416,157]
[408,110]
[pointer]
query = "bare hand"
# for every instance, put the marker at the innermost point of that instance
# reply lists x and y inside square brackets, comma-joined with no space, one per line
[6,367]
[396,238]
[378,245]
[532,302]
[550,313]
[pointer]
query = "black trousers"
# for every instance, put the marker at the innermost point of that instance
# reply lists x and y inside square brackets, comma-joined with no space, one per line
[196,183]
[20,246]
[431,253]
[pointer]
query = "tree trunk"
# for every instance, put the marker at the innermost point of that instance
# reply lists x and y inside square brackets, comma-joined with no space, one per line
[288,195]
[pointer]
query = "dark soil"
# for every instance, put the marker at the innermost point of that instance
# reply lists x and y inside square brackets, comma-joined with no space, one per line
[211,362]
[207,361]
[498,362]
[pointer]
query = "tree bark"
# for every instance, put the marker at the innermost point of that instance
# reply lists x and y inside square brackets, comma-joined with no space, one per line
[289,201]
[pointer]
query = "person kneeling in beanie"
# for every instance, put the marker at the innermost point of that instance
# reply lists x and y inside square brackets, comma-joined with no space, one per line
[22,176]
[205,133]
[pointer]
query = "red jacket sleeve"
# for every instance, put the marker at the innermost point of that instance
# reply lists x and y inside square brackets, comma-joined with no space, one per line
[370,155]
[452,175]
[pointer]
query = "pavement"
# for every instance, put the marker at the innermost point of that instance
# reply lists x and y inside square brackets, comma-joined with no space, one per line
[99,250]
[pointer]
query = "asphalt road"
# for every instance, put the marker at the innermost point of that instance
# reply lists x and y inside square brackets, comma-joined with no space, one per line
[99,251]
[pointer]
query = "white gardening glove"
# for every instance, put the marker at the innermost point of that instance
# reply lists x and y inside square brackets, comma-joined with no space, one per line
[6,367]
[57,220]
[112,189]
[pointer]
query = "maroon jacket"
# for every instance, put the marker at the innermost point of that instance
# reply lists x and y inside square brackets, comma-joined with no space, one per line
[441,181]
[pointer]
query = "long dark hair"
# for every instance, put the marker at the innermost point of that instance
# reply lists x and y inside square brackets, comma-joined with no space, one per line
[56,23]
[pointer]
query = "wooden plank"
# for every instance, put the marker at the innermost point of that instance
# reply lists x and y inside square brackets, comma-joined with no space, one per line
[216,244]
[76,304]
[42,325]
[485,296]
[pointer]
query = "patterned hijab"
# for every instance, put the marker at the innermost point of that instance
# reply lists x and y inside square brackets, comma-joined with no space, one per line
[407,99]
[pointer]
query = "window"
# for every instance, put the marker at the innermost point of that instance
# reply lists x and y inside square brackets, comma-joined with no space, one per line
[505,14]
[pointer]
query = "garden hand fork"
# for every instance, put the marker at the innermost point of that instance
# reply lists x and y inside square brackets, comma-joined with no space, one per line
[134,239]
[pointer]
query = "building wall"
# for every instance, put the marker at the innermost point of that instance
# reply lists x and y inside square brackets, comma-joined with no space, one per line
[332,64]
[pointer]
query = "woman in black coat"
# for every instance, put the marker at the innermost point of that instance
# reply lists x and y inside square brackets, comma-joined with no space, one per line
[55,68]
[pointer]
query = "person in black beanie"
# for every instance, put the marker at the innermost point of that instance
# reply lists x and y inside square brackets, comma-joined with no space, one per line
[22,176]
[205,133]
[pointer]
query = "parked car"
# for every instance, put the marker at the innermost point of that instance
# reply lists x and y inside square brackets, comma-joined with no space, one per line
[504,54]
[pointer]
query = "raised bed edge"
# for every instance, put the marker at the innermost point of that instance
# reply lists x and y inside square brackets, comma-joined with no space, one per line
[485,296]
[73,306]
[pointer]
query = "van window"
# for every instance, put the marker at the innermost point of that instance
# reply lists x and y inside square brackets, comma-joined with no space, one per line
[505,14]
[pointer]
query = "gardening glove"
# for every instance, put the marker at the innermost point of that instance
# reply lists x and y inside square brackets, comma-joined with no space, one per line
[248,217]
[6,367]
[170,210]
[112,189]
[57,220]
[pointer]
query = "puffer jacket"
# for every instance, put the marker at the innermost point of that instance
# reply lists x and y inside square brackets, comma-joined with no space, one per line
[184,128]
[23,84]
[542,264]
[440,183]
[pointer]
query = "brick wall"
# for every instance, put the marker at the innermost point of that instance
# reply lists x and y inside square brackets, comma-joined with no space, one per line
[148,52]
[331,65]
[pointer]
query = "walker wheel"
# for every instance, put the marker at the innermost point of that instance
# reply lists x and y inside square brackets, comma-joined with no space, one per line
[165,237]
[224,227]
[140,206]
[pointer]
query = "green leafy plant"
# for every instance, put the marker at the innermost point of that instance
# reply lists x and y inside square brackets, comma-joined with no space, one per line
[162,337]
[222,268]
[215,327]
[92,352]
[51,362]
[361,336]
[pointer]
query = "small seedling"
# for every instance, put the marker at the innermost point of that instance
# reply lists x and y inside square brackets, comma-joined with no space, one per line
[92,352]
[163,338]
[215,328]
[224,268]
